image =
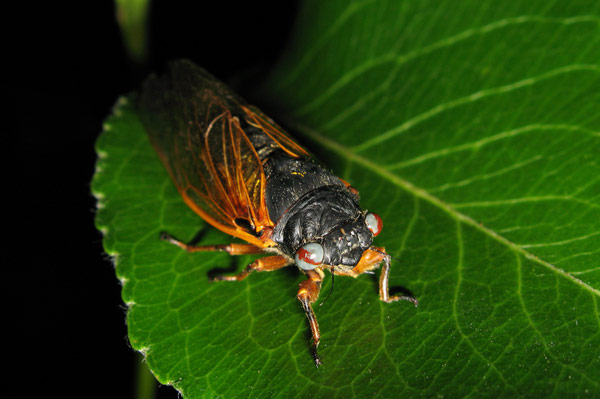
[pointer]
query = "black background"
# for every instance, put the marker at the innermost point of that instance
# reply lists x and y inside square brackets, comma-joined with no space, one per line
[67,67]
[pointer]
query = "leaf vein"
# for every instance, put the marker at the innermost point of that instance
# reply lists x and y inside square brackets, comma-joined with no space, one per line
[486,176]
[477,96]
[537,332]
[476,145]
[513,201]
[371,63]
[563,242]
[459,279]
[323,39]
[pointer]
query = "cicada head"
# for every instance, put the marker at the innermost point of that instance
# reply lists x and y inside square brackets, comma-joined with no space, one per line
[342,247]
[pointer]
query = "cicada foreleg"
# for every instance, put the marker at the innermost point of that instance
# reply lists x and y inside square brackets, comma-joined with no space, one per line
[372,258]
[307,295]
[384,292]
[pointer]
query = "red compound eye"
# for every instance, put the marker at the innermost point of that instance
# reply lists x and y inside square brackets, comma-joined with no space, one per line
[374,223]
[309,256]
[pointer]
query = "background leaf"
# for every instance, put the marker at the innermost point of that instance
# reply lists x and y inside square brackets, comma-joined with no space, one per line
[472,128]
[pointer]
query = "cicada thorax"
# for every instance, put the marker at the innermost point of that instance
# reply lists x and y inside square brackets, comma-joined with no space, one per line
[307,203]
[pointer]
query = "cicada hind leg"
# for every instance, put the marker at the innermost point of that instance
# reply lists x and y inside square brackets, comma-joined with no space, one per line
[266,264]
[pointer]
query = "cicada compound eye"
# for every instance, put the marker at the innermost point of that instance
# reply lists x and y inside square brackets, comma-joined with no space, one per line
[374,223]
[309,256]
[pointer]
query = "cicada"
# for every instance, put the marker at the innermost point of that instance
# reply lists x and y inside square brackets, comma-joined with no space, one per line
[241,173]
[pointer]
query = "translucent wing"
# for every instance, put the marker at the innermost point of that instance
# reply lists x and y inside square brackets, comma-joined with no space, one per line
[196,125]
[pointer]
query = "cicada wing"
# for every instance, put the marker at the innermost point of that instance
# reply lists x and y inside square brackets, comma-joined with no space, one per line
[256,118]
[192,121]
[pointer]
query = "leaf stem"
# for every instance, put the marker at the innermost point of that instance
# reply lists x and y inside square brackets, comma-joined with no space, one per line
[145,387]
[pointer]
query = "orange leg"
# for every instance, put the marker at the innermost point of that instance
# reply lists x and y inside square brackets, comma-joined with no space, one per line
[384,292]
[308,294]
[231,249]
[266,264]
[372,258]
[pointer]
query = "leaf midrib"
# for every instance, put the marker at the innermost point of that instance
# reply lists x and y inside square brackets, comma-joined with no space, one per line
[423,194]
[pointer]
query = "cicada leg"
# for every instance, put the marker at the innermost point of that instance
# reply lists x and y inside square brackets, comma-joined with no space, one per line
[384,292]
[371,258]
[231,249]
[265,264]
[307,295]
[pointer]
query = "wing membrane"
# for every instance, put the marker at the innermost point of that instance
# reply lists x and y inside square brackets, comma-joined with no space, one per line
[195,125]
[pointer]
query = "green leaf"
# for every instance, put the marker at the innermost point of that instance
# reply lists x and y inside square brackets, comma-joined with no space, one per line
[472,128]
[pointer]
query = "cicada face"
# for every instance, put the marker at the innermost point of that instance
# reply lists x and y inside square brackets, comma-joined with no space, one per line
[343,247]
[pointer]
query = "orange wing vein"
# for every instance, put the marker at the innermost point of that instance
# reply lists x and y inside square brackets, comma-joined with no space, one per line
[195,124]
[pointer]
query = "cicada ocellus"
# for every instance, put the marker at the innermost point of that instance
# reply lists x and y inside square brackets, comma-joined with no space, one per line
[244,175]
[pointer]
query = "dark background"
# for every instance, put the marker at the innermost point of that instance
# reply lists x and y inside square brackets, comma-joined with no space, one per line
[67,67]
